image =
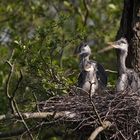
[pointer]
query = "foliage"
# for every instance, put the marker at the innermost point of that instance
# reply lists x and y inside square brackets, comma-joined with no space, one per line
[43,35]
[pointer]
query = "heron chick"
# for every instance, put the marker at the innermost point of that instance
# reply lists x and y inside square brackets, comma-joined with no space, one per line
[128,78]
[84,53]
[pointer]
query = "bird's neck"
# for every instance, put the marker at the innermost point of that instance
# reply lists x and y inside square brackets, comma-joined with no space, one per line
[122,60]
[84,57]
[83,60]
[92,75]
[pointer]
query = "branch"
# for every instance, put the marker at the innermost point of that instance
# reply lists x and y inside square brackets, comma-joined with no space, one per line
[10,98]
[9,79]
[17,85]
[87,11]
[20,131]
[111,71]
[12,133]
[93,105]
[23,121]
[99,129]
[37,115]
[104,124]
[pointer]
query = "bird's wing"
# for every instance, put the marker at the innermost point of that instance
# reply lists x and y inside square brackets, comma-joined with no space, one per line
[101,73]
[122,82]
[82,78]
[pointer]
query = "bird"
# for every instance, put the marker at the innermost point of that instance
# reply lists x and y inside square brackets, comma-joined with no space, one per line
[128,78]
[84,53]
[87,79]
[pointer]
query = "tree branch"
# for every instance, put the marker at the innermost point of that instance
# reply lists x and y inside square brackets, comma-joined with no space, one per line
[23,121]
[104,124]
[12,133]
[10,98]
[87,11]
[18,83]
[37,115]
[93,105]
[99,129]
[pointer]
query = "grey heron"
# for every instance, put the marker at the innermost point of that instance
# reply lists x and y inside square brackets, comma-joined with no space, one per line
[84,53]
[128,77]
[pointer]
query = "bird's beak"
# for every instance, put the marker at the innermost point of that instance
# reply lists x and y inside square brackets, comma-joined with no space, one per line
[111,45]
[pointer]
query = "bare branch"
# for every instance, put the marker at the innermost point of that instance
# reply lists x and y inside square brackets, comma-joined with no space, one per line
[93,105]
[35,115]
[23,121]
[94,134]
[18,83]
[12,133]
[8,79]
[111,71]
[87,11]
[10,98]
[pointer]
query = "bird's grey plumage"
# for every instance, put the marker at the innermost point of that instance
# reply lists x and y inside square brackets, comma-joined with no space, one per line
[128,78]
[87,79]
[99,75]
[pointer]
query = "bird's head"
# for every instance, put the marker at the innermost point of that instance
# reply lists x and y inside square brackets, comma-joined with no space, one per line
[120,44]
[83,50]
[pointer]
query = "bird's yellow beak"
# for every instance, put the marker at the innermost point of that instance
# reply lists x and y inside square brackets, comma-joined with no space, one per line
[111,45]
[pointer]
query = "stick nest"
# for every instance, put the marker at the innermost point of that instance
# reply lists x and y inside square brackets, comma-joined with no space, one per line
[121,109]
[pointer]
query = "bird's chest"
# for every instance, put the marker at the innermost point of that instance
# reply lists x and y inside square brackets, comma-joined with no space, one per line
[90,85]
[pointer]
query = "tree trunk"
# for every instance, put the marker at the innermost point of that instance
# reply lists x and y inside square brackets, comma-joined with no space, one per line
[130,29]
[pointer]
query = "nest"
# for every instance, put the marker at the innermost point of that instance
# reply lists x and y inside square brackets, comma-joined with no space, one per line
[121,109]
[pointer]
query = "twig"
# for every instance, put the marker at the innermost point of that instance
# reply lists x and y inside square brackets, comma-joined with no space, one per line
[34,115]
[10,98]
[104,124]
[87,12]
[18,83]
[37,107]
[121,133]
[111,71]
[94,107]
[12,133]
[78,10]
[19,131]
[99,129]
[8,79]
[23,121]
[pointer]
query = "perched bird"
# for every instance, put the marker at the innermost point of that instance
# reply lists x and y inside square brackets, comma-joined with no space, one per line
[128,77]
[87,79]
[84,53]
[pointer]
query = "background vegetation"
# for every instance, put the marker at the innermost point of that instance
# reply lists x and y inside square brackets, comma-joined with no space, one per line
[38,37]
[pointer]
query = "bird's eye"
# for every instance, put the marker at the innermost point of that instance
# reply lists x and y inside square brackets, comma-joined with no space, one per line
[123,42]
